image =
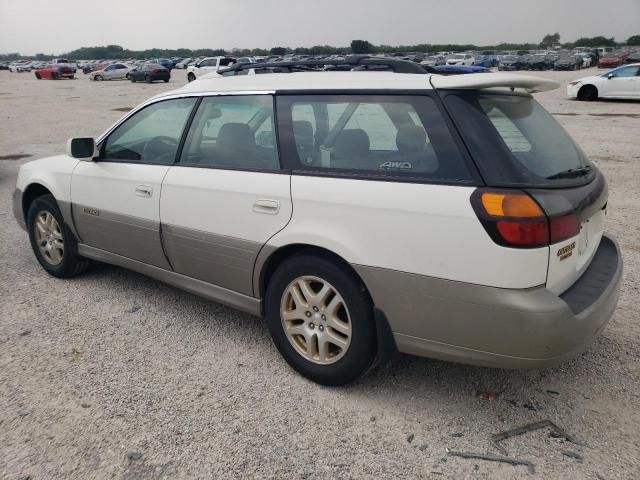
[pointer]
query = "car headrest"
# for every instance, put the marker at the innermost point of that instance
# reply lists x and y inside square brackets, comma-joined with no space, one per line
[411,138]
[351,143]
[235,139]
[303,132]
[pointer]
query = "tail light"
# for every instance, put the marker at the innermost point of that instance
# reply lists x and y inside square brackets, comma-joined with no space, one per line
[514,219]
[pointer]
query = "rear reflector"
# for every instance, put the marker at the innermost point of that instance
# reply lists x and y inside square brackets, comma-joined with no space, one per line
[526,233]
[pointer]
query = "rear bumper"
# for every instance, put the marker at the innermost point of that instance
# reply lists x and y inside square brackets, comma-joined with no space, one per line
[497,327]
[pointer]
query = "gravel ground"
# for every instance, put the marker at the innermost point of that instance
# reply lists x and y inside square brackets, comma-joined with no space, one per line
[114,375]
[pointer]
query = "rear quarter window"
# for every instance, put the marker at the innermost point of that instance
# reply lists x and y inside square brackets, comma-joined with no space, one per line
[373,135]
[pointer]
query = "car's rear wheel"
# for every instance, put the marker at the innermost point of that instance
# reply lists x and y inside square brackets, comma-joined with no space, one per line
[166,80]
[53,243]
[588,93]
[98,78]
[38,76]
[191,77]
[321,319]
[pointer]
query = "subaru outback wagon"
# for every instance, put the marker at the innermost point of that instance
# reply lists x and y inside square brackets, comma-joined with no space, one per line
[360,213]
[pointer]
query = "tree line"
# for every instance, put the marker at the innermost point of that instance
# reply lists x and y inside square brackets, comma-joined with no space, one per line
[356,46]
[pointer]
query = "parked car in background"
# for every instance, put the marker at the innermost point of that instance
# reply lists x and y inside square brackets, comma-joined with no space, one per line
[19,67]
[115,71]
[183,64]
[587,59]
[459,69]
[460,59]
[91,67]
[150,72]
[494,250]
[622,82]
[55,71]
[610,60]
[4,66]
[433,60]
[511,63]
[165,62]
[539,61]
[568,61]
[208,65]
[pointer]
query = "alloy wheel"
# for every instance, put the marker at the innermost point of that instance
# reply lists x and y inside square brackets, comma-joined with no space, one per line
[316,320]
[49,239]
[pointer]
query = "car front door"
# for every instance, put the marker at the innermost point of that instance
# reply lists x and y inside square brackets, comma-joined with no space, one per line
[207,65]
[227,195]
[623,82]
[116,198]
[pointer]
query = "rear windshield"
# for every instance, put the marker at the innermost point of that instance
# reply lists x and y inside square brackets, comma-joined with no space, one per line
[516,142]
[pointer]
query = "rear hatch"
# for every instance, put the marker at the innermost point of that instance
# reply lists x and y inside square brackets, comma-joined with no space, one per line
[520,148]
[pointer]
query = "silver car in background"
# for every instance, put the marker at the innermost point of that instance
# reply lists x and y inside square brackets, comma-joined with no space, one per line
[115,71]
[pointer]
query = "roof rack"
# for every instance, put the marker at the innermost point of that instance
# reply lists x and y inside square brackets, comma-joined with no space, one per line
[349,62]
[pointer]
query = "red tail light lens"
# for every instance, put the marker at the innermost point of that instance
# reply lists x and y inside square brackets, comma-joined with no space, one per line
[514,219]
[564,227]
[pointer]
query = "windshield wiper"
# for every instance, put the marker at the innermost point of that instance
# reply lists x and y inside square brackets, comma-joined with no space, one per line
[571,173]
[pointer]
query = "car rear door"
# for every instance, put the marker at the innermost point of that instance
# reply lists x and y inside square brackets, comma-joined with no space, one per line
[116,198]
[227,195]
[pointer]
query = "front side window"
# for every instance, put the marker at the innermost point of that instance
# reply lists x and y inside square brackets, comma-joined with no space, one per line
[232,132]
[150,135]
[387,135]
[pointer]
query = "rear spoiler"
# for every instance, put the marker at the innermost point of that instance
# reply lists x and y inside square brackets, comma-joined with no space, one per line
[478,81]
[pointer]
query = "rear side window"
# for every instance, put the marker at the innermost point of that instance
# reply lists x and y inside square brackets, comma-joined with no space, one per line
[387,135]
[232,132]
[516,142]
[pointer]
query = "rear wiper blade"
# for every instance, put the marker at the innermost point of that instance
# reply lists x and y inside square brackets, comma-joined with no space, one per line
[571,173]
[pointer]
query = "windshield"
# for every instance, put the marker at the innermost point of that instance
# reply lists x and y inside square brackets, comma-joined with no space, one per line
[510,58]
[516,142]
[457,56]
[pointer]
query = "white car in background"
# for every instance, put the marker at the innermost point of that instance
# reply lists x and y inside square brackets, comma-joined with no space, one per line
[18,67]
[621,82]
[460,59]
[115,71]
[208,65]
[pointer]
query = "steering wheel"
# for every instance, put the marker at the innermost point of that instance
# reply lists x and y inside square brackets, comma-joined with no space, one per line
[160,149]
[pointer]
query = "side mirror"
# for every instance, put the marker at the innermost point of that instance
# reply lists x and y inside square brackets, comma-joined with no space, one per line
[610,76]
[82,148]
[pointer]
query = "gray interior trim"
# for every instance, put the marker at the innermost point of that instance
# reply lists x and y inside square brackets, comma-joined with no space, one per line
[131,237]
[211,292]
[217,259]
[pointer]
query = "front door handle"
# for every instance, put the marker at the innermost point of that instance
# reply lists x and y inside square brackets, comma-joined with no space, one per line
[144,190]
[270,207]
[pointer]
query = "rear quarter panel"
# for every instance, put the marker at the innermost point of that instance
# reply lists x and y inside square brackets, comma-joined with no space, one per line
[416,228]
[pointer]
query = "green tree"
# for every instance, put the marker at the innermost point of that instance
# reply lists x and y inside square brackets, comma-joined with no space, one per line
[361,46]
[549,39]
[633,40]
[599,41]
[278,51]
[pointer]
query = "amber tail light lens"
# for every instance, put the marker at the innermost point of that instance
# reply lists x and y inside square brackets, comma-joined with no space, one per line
[512,218]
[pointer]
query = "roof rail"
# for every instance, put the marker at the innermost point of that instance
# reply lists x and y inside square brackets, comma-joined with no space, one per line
[349,62]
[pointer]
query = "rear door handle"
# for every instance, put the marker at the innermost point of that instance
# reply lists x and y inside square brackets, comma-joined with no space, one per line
[144,190]
[270,207]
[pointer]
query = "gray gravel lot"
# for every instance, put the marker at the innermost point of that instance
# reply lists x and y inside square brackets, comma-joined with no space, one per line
[114,375]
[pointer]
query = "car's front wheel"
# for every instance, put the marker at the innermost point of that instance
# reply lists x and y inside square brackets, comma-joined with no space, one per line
[588,93]
[321,319]
[53,243]
[191,77]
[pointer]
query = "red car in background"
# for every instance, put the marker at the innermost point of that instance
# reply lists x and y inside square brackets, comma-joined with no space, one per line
[611,61]
[57,69]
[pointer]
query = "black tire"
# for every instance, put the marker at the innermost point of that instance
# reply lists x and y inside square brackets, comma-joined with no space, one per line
[98,78]
[54,76]
[38,76]
[133,80]
[147,79]
[72,263]
[166,80]
[190,77]
[588,93]
[72,77]
[361,352]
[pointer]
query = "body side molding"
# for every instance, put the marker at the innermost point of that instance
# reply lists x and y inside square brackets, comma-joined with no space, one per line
[203,289]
